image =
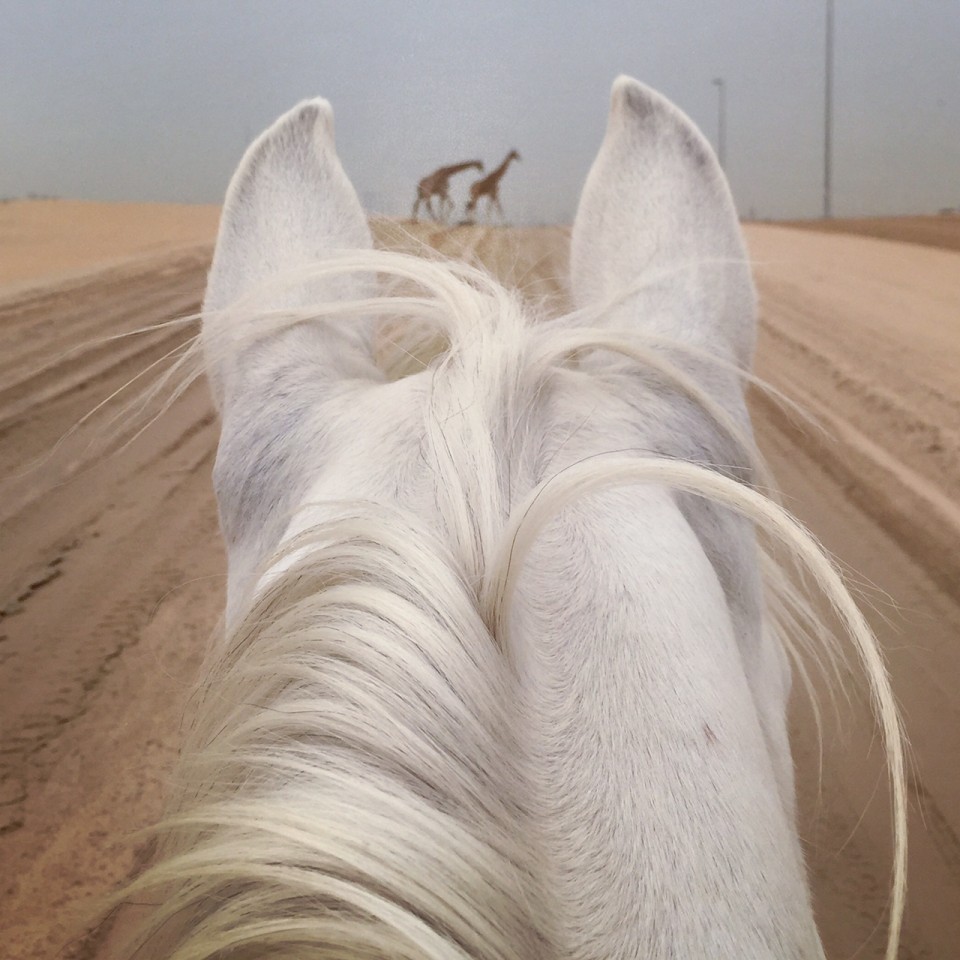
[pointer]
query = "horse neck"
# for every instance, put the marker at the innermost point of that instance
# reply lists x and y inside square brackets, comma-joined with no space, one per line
[663,827]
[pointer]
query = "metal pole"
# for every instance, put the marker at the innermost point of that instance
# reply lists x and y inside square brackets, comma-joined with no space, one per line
[721,121]
[828,118]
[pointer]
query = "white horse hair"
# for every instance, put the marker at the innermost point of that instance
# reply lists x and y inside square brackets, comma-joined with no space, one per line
[505,669]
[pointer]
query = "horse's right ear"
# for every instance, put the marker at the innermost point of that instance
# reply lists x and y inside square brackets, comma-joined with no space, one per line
[656,214]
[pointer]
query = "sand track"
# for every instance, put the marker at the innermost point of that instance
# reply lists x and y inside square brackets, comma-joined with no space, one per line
[112,570]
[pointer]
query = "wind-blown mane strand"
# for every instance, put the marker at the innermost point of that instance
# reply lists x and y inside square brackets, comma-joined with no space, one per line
[601,472]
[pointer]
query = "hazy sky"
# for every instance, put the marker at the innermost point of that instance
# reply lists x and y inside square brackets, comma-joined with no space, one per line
[157,99]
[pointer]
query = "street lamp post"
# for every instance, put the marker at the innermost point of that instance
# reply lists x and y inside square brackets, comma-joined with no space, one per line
[828,117]
[721,86]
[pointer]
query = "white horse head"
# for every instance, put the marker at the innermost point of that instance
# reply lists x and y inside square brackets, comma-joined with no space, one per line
[500,676]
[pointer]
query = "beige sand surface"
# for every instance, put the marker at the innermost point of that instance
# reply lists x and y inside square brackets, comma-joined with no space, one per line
[111,570]
[942,230]
[43,240]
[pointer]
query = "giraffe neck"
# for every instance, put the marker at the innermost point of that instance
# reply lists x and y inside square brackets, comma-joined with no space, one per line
[457,167]
[502,169]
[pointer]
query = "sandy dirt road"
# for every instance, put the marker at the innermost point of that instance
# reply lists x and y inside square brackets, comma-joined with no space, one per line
[932,231]
[111,570]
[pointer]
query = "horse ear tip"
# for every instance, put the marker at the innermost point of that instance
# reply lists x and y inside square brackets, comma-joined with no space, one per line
[628,95]
[315,115]
[308,120]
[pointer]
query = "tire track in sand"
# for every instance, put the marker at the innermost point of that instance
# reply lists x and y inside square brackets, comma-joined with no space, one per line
[111,584]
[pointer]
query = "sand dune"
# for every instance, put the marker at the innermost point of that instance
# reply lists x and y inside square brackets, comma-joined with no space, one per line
[45,240]
[112,570]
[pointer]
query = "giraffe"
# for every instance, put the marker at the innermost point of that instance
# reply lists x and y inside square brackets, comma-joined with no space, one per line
[436,184]
[489,186]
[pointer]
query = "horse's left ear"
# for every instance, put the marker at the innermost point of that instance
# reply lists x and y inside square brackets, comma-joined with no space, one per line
[289,204]
[656,213]
[288,207]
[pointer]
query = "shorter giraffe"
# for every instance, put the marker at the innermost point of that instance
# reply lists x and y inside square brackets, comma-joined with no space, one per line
[489,186]
[437,184]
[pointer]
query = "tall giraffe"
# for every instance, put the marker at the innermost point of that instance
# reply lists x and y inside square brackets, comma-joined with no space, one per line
[489,186]
[437,184]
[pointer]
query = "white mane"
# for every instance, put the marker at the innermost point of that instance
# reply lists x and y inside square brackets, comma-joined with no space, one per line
[393,753]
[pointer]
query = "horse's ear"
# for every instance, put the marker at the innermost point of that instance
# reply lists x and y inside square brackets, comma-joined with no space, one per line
[656,214]
[289,204]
